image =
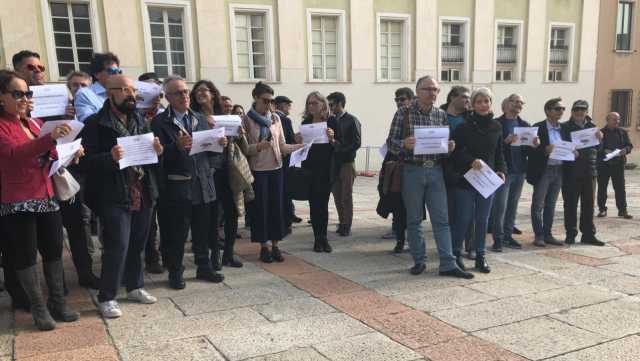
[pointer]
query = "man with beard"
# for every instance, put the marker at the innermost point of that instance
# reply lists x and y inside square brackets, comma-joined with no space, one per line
[122,198]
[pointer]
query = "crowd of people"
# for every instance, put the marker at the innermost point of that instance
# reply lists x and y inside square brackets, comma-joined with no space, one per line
[144,215]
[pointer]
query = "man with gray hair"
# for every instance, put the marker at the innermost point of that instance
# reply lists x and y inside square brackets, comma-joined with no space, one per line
[505,201]
[422,178]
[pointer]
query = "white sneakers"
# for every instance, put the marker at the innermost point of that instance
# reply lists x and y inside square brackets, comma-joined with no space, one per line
[141,296]
[111,309]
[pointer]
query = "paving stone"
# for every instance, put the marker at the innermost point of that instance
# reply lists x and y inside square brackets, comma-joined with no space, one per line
[277,337]
[165,330]
[292,266]
[294,308]
[540,338]
[414,329]
[32,343]
[622,283]
[191,349]
[321,284]
[570,258]
[536,261]
[468,349]
[294,354]
[516,286]
[596,252]
[406,283]
[501,270]
[363,304]
[6,343]
[614,319]
[135,312]
[370,347]
[574,296]
[494,313]
[443,298]
[95,353]
[625,349]
[582,274]
[250,280]
[235,298]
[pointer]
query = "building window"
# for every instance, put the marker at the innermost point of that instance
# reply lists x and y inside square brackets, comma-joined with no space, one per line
[450,75]
[324,47]
[453,50]
[623,25]
[507,52]
[167,41]
[555,75]
[560,48]
[621,104]
[504,75]
[250,46]
[391,44]
[72,36]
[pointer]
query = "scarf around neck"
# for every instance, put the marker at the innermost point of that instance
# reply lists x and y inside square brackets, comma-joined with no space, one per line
[264,121]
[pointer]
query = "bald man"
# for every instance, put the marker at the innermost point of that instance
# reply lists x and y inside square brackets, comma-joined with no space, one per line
[122,198]
[615,138]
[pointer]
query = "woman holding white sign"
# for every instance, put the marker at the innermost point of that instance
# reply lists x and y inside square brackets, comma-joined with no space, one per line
[478,140]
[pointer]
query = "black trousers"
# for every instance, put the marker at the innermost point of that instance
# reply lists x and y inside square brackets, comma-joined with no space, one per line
[319,203]
[151,253]
[230,212]
[615,171]
[176,220]
[76,218]
[11,282]
[578,188]
[29,233]
[124,236]
[267,211]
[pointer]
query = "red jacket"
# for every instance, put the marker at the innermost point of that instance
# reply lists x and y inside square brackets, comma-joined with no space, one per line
[22,176]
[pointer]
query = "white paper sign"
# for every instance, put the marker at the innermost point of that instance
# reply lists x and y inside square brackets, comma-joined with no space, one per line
[526,135]
[76,127]
[49,100]
[207,141]
[229,122]
[138,150]
[431,140]
[585,138]
[563,151]
[147,93]
[66,153]
[383,150]
[316,132]
[484,180]
[300,155]
[609,156]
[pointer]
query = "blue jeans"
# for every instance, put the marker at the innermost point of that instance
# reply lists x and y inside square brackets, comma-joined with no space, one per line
[543,201]
[505,207]
[471,206]
[420,186]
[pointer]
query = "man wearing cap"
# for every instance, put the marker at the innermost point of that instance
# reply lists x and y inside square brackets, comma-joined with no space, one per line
[283,109]
[579,179]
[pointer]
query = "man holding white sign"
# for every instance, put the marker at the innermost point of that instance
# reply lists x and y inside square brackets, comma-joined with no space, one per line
[580,175]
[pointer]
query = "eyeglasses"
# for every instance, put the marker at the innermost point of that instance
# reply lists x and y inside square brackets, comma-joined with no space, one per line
[126,90]
[183,92]
[36,68]
[558,109]
[268,101]
[19,94]
[400,99]
[430,89]
[113,71]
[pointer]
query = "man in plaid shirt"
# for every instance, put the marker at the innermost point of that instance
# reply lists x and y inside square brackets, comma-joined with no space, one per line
[422,178]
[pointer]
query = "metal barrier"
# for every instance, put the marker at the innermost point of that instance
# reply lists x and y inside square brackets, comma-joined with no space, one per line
[369,159]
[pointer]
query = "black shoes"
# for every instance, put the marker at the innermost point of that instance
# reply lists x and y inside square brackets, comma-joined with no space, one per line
[345,231]
[295,219]
[155,268]
[276,255]
[602,213]
[516,230]
[417,269]
[512,243]
[625,215]
[570,240]
[265,255]
[209,276]
[232,261]
[457,273]
[592,240]
[399,247]
[552,241]
[176,280]
[317,245]
[496,247]
[471,255]
[460,263]
[482,265]
[89,281]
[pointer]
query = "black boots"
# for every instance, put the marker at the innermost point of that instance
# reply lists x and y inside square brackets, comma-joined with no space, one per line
[56,304]
[321,244]
[41,317]
[399,247]
[482,265]
[228,259]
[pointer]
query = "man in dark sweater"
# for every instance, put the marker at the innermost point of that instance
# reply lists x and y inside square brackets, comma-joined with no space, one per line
[345,146]
[579,179]
[283,109]
[614,138]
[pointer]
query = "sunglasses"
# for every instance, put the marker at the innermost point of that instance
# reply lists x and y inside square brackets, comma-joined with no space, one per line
[36,68]
[559,109]
[113,71]
[19,94]
[268,101]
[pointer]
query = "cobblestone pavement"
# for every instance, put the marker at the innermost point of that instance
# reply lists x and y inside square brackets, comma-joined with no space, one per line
[360,303]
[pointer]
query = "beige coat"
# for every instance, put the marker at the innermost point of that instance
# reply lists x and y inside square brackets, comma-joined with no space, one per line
[271,158]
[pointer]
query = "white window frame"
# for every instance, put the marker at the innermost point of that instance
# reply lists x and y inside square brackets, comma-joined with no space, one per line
[50,43]
[341,47]
[269,39]
[571,37]
[465,21]
[632,35]
[190,70]
[516,74]
[405,71]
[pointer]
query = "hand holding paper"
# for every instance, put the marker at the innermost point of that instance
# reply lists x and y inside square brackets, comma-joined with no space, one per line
[137,150]
[525,136]
[66,154]
[316,132]
[231,123]
[75,125]
[49,100]
[563,151]
[431,140]
[147,94]
[585,138]
[615,153]
[207,141]
[484,180]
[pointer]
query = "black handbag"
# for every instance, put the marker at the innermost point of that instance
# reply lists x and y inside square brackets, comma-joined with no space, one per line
[298,183]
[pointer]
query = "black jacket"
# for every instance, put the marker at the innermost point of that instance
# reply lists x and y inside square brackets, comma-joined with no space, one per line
[347,137]
[183,178]
[616,138]
[506,149]
[106,183]
[585,163]
[287,128]
[537,157]
[477,138]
